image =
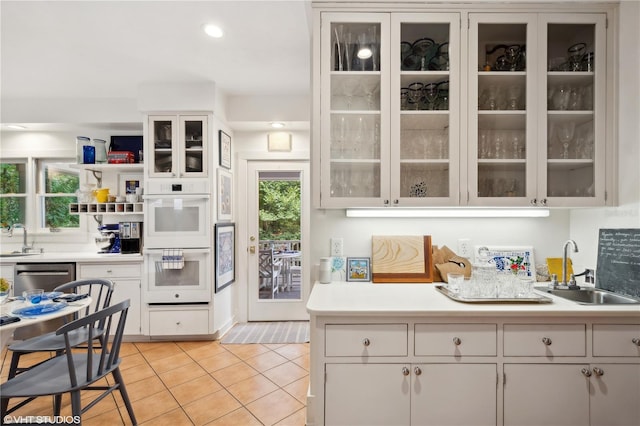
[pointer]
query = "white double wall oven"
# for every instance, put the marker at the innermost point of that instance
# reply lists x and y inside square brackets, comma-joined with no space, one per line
[178,251]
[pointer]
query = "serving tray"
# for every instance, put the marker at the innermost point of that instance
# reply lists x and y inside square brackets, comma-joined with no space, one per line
[532,299]
[39,309]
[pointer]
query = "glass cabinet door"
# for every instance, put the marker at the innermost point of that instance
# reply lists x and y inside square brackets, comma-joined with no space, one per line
[502,148]
[354,110]
[572,170]
[425,109]
[163,132]
[193,131]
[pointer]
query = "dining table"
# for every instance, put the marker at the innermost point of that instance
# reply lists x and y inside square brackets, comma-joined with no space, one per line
[287,258]
[11,306]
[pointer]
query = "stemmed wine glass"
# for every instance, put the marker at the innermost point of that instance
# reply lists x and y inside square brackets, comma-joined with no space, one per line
[565,134]
[430,92]
[415,93]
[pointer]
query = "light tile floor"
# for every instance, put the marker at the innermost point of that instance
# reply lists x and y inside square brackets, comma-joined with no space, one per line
[200,383]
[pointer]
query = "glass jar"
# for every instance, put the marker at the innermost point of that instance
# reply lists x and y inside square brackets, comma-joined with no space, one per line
[81,142]
[101,150]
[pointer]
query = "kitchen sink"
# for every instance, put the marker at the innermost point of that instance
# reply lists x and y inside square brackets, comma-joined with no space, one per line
[591,296]
[13,254]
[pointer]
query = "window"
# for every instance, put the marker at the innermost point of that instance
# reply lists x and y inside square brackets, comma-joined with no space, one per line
[13,192]
[57,186]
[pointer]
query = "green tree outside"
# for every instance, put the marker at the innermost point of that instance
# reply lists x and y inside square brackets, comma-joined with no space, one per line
[279,215]
[11,208]
[57,208]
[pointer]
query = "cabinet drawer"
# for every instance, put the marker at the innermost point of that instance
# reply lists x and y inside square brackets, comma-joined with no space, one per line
[616,340]
[110,270]
[170,323]
[456,339]
[545,340]
[366,340]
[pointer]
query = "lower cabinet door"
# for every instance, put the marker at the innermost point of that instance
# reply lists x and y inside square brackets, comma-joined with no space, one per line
[454,394]
[129,289]
[546,395]
[615,395]
[367,394]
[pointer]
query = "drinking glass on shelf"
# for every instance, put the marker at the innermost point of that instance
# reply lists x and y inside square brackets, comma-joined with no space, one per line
[430,92]
[575,102]
[517,139]
[494,95]
[514,93]
[415,94]
[565,134]
[499,143]
[404,98]
[561,98]
[575,53]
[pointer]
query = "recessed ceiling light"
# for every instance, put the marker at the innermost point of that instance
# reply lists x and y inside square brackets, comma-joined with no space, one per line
[277,125]
[213,31]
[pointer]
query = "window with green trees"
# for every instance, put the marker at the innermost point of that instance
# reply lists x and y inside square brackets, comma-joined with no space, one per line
[12,193]
[58,185]
[279,216]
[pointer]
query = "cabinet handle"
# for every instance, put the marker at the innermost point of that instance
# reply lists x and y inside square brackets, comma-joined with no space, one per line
[457,341]
[395,202]
[636,341]
[385,202]
[405,371]
[546,341]
[543,202]
[418,371]
[366,342]
[178,323]
[109,271]
[533,202]
[598,371]
[586,372]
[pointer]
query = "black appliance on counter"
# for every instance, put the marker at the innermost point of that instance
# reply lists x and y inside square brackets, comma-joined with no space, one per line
[130,237]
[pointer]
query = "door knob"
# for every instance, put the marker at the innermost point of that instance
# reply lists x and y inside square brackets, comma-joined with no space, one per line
[252,249]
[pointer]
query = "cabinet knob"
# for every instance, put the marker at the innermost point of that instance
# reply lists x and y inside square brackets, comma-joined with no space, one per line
[586,372]
[418,371]
[176,295]
[109,271]
[533,202]
[366,342]
[178,323]
[395,202]
[457,341]
[546,341]
[543,202]
[386,202]
[636,341]
[598,371]
[405,371]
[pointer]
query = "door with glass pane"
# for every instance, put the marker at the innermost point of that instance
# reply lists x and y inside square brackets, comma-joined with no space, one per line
[278,206]
[572,161]
[354,109]
[502,109]
[425,123]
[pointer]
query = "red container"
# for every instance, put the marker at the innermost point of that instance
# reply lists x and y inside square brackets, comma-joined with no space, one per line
[120,157]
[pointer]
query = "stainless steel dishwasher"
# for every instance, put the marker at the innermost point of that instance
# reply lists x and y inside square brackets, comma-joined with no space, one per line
[47,276]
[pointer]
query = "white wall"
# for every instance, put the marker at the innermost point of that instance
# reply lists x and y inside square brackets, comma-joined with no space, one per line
[585,223]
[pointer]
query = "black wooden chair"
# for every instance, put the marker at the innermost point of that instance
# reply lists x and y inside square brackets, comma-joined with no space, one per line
[77,370]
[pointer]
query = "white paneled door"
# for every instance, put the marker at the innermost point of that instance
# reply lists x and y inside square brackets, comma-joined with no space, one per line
[278,205]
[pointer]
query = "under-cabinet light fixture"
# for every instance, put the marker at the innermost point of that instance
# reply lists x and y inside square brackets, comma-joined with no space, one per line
[448,213]
[213,30]
[277,125]
[15,127]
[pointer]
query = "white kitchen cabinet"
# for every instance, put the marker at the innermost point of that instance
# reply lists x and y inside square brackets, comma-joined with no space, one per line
[382,143]
[126,278]
[176,146]
[495,139]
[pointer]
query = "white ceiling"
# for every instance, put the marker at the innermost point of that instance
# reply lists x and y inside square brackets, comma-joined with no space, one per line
[105,49]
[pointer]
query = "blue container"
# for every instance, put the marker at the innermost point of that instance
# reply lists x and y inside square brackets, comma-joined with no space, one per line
[89,154]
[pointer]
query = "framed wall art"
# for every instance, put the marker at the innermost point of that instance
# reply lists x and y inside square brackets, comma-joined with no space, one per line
[225,150]
[225,238]
[358,269]
[225,195]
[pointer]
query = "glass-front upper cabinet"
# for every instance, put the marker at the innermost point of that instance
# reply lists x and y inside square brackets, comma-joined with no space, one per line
[425,119]
[354,109]
[572,161]
[502,109]
[176,146]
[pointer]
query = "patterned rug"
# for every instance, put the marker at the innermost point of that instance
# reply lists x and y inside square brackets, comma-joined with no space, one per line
[268,332]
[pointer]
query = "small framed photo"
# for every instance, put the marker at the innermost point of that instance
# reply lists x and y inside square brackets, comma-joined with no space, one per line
[225,195]
[225,150]
[358,269]
[225,239]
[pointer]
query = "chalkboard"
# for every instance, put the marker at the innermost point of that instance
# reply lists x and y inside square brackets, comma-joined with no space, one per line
[619,261]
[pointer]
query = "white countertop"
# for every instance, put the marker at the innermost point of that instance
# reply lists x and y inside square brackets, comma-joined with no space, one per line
[362,299]
[72,257]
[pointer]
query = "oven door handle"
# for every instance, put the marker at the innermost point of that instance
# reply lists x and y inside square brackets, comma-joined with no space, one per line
[185,251]
[174,196]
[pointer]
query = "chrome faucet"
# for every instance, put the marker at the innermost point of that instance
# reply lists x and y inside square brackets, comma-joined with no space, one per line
[572,281]
[25,245]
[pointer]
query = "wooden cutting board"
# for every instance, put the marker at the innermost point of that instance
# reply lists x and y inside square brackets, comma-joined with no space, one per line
[401,259]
